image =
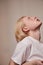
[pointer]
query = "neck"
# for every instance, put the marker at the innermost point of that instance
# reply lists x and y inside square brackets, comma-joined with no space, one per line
[34,35]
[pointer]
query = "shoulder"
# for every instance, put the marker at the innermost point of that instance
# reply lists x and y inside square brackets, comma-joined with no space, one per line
[24,43]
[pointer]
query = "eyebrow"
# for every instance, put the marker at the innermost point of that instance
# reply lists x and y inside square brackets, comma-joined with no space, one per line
[29,17]
[35,18]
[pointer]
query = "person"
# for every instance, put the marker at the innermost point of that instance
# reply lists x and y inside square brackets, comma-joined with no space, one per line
[29,48]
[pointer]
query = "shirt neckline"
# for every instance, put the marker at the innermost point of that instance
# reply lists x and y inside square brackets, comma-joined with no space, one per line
[33,39]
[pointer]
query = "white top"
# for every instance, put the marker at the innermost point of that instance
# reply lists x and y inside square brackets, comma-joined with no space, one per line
[28,49]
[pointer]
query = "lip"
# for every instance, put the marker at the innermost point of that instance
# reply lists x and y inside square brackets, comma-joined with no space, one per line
[39,25]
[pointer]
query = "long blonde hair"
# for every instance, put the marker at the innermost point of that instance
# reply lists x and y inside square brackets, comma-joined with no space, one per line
[19,34]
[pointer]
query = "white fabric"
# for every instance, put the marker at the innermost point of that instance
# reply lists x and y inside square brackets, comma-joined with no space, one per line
[28,49]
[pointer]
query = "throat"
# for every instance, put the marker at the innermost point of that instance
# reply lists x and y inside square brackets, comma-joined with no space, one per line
[34,35]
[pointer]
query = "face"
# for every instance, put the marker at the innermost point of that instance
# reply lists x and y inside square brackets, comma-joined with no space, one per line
[32,22]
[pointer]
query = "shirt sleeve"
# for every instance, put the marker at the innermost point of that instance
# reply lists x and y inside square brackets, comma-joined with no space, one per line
[19,54]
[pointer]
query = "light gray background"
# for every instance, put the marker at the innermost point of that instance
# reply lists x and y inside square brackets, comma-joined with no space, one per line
[10,11]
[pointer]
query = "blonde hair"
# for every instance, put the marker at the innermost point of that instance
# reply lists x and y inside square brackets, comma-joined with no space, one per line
[19,34]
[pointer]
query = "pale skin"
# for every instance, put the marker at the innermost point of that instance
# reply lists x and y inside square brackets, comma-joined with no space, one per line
[33,62]
[36,35]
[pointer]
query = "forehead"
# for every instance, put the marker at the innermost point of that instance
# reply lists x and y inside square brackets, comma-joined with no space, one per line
[28,19]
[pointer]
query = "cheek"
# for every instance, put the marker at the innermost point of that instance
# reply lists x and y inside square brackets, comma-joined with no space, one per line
[30,25]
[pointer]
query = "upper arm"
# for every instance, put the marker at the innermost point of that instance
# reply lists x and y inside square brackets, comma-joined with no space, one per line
[19,54]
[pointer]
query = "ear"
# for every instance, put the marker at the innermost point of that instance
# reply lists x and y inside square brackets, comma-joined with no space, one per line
[25,29]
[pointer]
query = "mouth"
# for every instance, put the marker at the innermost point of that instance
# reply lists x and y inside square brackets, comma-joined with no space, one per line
[38,26]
